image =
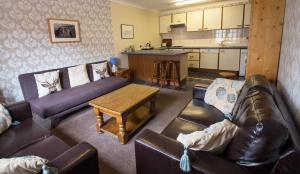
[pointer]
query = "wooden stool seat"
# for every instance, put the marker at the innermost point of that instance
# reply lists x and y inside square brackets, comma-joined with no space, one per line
[228,75]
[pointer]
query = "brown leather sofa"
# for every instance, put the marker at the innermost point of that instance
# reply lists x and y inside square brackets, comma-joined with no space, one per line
[268,141]
[28,138]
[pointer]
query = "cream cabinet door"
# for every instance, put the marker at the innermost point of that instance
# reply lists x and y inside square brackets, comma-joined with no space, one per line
[164,24]
[229,59]
[179,18]
[209,59]
[194,21]
[212,19]
[193,56]
[247,15]
[233,17]
[193,64]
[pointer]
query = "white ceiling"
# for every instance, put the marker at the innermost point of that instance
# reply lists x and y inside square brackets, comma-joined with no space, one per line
[162,4]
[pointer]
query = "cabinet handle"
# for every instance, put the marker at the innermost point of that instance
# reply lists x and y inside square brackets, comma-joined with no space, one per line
[247,25]
[239,25]
[205,28]
[178,21]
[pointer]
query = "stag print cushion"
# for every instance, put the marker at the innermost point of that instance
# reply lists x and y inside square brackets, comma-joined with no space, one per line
[223,93]
[100,71]
[78,75]
[47,83]
[5,119]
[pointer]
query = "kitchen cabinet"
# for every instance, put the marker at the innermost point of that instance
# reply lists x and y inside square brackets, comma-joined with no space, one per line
[229,59]
[247,15]
[193,64]
[179,18]
[212,19]
[194,21]
[233,17]
[193,56]
[164,24]
[209,58]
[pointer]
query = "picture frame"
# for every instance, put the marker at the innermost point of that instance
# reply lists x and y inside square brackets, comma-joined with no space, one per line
[63,30]
[127,31]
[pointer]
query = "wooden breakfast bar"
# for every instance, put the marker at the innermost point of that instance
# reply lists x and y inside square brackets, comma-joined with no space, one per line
[141,62]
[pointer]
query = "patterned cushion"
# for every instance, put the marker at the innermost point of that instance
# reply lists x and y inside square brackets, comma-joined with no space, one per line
[223,93]
[100,71]
[5,119]
[47,83]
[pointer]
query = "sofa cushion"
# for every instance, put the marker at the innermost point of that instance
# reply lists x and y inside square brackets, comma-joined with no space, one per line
[20,136]
[262,131]
[41,148]
[179,125]
[199,112]
[58,102]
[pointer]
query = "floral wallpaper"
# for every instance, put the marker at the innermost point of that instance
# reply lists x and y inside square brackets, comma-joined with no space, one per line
[24,39]
[289,71]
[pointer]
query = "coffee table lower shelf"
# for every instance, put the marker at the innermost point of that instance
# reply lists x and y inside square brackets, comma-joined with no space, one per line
[134,121]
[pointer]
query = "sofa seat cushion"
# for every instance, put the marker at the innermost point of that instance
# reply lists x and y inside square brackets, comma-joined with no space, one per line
[47,148]
[18,137]
[201,113]
[69,98]
[179,125]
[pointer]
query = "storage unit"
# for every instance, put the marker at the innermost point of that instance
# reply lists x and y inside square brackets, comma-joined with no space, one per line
[193,64]
[179,18]
[209,58]
[247,15]
[212,19]
[194,56]
[194,21]
[229,59]
[243,62]
[233,17]
[164,24]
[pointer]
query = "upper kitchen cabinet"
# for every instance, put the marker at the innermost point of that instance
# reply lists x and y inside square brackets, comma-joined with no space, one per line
[194,20]
[247,15]
[212,19]
[233,17]
[164,24]
[179,18]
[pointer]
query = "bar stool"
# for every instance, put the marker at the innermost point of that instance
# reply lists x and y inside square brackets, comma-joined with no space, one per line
[172,73]
[158,73]
[228,75]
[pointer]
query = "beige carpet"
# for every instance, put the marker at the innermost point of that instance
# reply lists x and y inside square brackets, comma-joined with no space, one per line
[115,158]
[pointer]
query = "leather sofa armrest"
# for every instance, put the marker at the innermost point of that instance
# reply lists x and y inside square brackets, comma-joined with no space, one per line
[82,158]
[20,111]
[156,153]
[288,163]
[199,93]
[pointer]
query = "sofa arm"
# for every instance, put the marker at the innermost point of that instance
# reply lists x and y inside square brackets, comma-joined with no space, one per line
[199,92]
[156,153]
[288,163]
[82,158]
[20,111]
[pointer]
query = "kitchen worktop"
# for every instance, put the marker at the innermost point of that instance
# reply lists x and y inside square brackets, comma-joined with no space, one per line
[206,47]
[159,52]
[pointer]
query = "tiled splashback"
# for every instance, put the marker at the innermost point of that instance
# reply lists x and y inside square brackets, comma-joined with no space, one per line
[231,37]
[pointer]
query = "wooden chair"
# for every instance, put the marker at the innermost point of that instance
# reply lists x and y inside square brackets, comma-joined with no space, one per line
[158,71]
[172,73]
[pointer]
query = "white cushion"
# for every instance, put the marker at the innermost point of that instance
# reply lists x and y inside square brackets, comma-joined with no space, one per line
[47,83]
[22,165]
[214,138]
[100,71]
[5,119]
[78,75]
[223,93]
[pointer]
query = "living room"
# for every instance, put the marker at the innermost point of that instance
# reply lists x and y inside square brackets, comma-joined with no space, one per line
[161,86]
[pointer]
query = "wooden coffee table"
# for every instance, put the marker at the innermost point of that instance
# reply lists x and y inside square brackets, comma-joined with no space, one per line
[127,108]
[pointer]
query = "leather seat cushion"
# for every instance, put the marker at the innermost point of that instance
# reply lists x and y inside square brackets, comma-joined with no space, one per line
[18,137]
[179,125]
[48,148]
[201,113]
[68,98]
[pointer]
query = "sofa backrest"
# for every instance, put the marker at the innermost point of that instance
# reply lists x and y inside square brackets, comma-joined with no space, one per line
[29,87]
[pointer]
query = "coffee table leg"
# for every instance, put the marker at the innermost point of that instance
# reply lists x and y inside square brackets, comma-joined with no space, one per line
[99,120]
[121,121]
[152,105]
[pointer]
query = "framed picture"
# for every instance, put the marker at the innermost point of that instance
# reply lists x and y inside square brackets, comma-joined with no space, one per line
[127,31]
[62,31]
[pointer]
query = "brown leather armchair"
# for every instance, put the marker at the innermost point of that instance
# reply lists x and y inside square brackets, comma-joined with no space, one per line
[28,138]
[267,142]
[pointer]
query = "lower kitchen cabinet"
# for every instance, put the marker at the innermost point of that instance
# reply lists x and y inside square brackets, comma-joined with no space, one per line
[209,58]
[193,63]
[229,59]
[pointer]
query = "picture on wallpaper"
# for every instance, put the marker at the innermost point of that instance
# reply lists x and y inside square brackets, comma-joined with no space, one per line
[61,31]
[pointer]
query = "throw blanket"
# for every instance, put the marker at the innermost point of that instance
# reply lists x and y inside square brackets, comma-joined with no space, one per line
[223,93]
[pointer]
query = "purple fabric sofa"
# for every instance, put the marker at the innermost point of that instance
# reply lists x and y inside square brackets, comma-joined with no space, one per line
[57,105]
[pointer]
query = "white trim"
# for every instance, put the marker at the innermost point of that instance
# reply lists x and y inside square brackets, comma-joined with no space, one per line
[124,2]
